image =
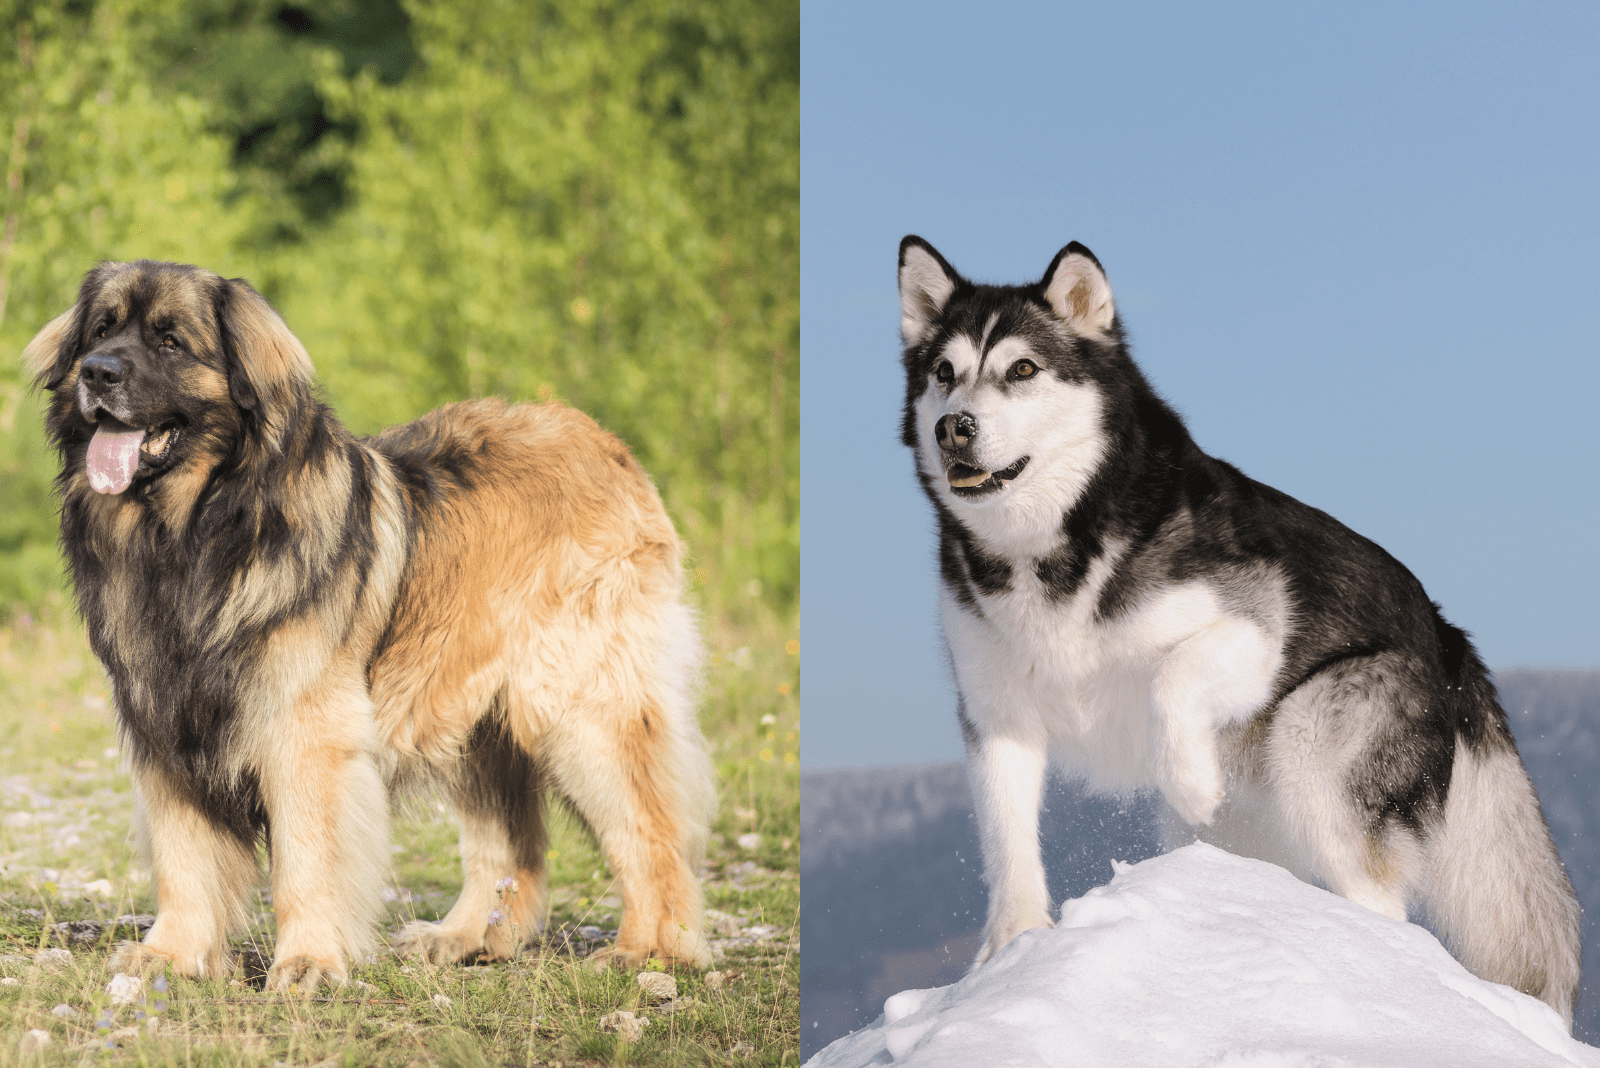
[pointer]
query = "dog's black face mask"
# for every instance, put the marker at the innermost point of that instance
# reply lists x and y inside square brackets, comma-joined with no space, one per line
[137,373]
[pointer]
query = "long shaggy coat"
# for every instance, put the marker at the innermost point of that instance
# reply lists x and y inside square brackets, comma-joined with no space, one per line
[296,621]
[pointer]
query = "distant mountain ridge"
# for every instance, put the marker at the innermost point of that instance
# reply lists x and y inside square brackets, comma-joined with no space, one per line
[893,896]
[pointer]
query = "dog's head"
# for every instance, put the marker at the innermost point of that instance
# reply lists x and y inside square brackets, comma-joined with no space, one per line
[1006,388]
[160,367]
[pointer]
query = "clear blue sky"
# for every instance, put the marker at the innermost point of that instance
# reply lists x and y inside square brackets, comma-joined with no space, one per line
[1357,246]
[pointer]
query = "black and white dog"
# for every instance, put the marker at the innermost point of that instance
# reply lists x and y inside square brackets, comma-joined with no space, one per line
[1145,616]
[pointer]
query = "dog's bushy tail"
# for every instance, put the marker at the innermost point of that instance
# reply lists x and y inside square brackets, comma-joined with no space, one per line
[1498,893]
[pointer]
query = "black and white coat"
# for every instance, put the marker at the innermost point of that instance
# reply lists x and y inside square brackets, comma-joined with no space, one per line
[1143,615]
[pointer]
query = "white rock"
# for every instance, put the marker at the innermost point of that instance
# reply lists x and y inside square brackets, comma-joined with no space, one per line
[749,842]
[658,986]
[721,923]
[442,1002]
[124,989]
[10,980]
[629,1026]
[66,1012]
[34,1041]
[53,958]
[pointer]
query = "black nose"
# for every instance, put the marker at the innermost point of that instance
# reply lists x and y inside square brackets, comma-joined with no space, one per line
[102,369]
[955,430]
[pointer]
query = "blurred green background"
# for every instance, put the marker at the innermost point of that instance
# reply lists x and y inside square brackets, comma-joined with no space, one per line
[591,201]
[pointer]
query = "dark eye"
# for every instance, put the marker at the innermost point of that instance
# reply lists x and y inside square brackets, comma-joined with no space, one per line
[101,335]
[1024,369]
[945,373]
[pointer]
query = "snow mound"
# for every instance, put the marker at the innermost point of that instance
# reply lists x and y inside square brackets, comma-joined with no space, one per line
[1200,957]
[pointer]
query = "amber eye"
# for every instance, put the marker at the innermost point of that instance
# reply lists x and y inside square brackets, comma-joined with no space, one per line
[1024,369]
[945,373]
[101,335]
[169,342]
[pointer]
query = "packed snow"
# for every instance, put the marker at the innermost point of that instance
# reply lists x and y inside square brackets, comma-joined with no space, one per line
[1199,957]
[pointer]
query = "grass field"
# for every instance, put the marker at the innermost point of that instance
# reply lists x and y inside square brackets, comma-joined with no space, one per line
[69,870]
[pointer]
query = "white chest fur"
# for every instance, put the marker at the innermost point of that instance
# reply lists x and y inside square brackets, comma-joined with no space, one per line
[1127,703]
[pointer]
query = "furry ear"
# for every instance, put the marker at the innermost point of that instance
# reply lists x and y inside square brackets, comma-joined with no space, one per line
[1076,288]
[48,357]
[926,284]
[264,359]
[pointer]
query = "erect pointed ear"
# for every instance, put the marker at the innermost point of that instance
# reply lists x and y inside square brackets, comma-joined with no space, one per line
[264,359]
[1077,291]
[48,357]
[926,283]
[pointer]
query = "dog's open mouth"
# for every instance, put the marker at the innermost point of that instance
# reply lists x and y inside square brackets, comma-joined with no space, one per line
[966,481]
[117,450]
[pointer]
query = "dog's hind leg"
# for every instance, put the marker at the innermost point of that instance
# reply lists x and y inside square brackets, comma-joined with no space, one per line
[1007,781]
[499,799]
[1351,780]
[203,874]
[627,779]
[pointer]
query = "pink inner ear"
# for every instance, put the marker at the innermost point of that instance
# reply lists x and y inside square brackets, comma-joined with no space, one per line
[113,458]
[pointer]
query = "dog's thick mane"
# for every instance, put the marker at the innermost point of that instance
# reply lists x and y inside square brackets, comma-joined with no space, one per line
[273,502]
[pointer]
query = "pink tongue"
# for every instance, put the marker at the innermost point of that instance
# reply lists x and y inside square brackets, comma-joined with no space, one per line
[113,457]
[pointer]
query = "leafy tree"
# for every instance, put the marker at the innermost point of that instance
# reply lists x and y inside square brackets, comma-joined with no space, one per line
[595,200]
[98,165]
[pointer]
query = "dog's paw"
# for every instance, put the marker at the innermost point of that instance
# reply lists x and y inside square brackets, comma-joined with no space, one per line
[1196,806]
[998,936]
[612,957]
[302,974]
[1195,792]
[437,944]
[136,958]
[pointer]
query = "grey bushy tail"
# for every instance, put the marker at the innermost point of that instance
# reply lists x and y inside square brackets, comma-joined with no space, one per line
[1499,895]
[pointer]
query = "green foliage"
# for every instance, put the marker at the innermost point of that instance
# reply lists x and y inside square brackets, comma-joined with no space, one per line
[255,63]
[593,201]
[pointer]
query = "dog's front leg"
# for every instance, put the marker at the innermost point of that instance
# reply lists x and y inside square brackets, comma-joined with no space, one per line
[203,872]
[1215,677]
[1007,780]
[328,815]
